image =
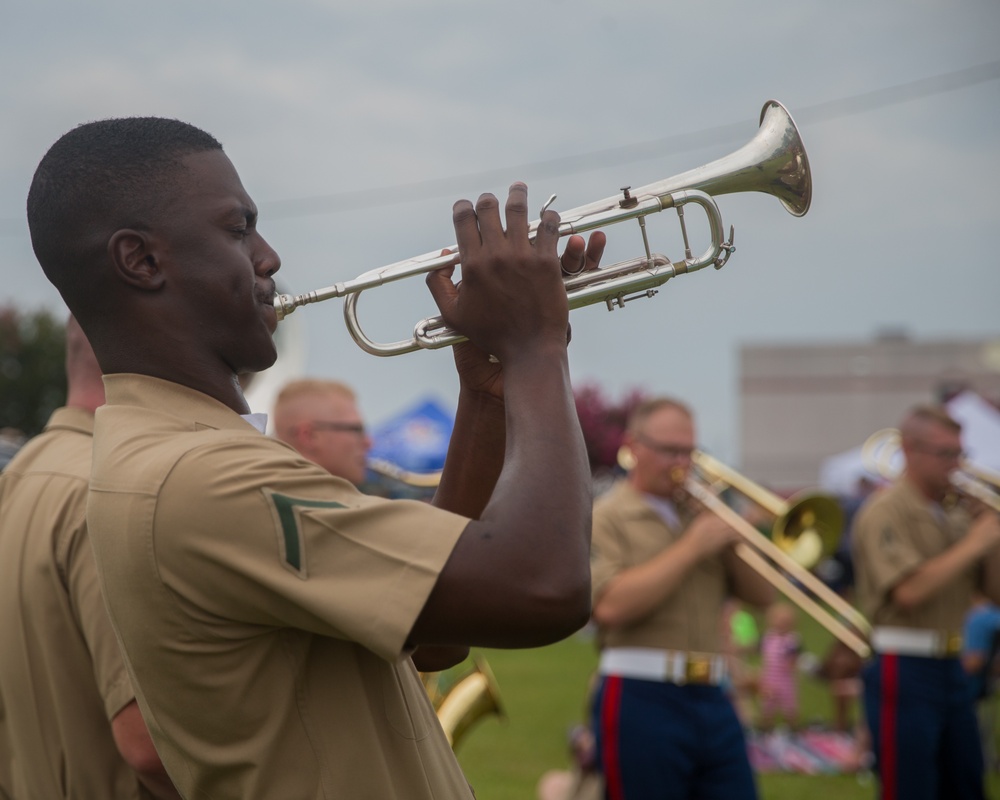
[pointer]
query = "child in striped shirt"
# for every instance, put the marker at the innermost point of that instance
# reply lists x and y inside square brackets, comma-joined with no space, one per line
[780,649]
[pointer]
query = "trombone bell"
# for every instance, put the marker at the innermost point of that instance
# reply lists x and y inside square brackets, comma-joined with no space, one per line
[810,528]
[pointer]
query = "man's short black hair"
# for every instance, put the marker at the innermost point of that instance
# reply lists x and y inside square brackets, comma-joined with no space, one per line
[98,178]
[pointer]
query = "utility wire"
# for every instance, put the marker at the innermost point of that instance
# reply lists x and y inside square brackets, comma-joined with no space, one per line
[599,159]
[730,133]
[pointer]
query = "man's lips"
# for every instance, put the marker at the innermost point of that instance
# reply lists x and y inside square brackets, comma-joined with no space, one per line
[266,300]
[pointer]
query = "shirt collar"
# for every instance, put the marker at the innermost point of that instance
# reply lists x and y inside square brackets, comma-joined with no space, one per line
[175,399]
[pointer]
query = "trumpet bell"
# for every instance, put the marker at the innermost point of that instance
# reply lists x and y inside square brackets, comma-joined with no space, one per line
[810,529]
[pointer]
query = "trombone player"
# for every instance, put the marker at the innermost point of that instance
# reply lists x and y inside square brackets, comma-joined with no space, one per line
[661,570]
[918,560]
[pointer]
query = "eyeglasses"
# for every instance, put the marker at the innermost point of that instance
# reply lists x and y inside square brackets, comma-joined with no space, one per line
[667,450]
[944,453]
[346,427]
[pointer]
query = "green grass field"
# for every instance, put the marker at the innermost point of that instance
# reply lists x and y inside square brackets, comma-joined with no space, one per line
[543,692]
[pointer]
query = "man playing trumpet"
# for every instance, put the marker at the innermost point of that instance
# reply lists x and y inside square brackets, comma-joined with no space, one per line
[266,609]
[662,569]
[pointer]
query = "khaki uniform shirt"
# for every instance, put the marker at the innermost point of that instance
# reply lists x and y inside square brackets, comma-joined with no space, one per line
[61,674]
[628,532]
[895,532]
[263,606]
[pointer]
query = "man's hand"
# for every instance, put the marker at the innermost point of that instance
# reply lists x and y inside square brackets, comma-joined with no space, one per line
[710,535]
[511,293]
[477,370]
[985,531]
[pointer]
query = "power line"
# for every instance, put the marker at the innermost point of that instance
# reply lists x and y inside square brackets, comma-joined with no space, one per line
[731,133]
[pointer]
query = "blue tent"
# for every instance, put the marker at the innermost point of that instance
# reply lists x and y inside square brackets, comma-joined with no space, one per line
[415,439]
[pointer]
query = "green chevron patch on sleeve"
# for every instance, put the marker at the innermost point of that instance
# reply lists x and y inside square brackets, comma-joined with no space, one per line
[286,515]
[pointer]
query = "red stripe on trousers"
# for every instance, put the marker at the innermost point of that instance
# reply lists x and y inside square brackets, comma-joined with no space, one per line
[888,710]
[611,703]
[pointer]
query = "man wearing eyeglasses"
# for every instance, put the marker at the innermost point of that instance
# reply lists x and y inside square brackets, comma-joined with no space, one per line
[661,571]
[320,419]
[918,560]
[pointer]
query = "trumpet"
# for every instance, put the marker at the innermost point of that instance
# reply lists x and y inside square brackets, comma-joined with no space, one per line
[810,517]
[881,450]
[773,162]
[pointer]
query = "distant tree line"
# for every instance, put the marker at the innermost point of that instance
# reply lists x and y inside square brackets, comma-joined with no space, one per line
[33,385]
[603,423]
[32,369]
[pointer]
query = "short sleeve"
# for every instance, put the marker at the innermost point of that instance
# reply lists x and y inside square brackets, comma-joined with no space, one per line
[883,547]
[110,674]
[275,540]
[607,551]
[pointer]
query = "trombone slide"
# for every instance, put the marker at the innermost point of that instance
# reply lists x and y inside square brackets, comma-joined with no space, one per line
[748,552]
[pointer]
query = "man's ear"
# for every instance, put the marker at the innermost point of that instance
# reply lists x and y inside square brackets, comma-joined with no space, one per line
[133,255]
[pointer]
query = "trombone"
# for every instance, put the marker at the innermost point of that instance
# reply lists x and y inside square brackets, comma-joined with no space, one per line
[773,162]
[807,527]
[419,480]
[881,450]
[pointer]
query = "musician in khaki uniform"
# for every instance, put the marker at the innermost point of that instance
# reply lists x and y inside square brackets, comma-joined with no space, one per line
[917,562]
[662,570]
[70,723]
[321,420]
[266,609]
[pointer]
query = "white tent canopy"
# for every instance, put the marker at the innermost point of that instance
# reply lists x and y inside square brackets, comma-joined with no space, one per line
[980,421]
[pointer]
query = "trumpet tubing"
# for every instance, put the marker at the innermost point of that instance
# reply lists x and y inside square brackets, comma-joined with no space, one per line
[773,162]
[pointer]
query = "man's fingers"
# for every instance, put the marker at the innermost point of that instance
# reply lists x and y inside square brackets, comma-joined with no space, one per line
[442,288]
[466,222]
[595,250]
[516,210]
[488,214]
[574,257]
[583,256]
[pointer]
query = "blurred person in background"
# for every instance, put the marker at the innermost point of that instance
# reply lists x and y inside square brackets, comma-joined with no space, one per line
[71,724]
[321,420]
[981,661]
[663,568]
[780,647]
[918,561]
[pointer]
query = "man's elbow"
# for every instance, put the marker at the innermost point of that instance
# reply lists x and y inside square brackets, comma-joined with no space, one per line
[560,616]
[138,752]
[136,746]
[906,599]
[607,615]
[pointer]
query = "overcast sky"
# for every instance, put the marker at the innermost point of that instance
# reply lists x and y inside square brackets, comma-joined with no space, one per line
[355,126]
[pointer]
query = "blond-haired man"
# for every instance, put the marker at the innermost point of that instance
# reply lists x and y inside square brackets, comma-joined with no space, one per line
[320,419]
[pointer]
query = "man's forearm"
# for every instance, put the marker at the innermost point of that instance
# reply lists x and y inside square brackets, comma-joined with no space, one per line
[475,455]
[935,574]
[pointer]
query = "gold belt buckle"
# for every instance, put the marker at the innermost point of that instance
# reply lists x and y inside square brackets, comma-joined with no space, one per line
[953,644]
[698,669]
